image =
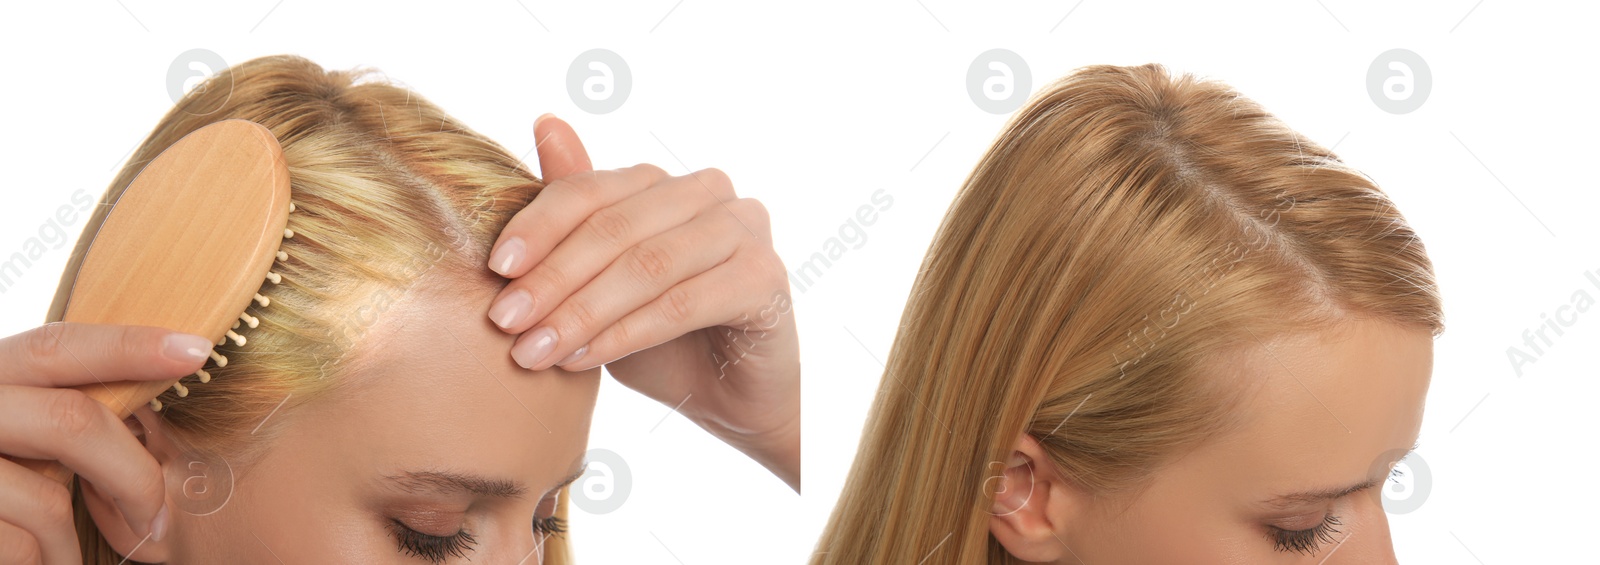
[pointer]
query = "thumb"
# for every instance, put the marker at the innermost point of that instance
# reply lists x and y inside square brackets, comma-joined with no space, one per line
[561,153]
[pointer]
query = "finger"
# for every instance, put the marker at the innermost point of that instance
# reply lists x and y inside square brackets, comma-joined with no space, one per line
[560,208]
[42,508]
[698,303]
[641,274]
[68,354]
[561,153]
[66,425]
[18,546]
[599,241]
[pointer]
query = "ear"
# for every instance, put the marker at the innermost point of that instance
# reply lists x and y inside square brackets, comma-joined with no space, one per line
[108,518]
[1034,505]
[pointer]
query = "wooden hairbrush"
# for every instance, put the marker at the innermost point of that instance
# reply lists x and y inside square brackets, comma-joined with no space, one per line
[186,247]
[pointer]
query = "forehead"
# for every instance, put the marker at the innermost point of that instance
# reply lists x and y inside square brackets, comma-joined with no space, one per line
[1357,380]
[1323,407]
[438,388]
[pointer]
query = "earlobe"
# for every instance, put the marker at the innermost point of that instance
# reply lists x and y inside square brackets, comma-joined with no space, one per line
[1030,504]
[108,517]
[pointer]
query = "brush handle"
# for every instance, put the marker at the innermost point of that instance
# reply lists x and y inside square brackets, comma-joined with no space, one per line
[185,246]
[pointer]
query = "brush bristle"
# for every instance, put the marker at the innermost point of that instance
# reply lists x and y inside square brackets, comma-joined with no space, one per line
[239,340]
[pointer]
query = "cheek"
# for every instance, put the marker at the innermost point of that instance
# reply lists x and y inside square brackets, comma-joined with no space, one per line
[282,518]
[1166,536]
[1171,525]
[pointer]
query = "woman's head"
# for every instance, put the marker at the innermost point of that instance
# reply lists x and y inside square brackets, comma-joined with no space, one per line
[375,412]
[1152,313]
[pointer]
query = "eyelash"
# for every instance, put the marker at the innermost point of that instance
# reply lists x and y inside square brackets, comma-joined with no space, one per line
[552,526]
[1305,541]
[430,547]
[1310,540]
[438,548]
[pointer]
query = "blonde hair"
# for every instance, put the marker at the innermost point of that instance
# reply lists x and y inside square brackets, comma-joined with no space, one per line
[389,190]
[1125,228]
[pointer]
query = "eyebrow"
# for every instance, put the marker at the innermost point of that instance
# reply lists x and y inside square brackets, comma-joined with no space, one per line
[1290,500]
[449,482]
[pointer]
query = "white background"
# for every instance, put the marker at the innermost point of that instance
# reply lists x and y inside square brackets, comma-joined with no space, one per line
[813,106]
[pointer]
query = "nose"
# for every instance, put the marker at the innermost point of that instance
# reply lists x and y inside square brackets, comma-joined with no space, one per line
[1366,541]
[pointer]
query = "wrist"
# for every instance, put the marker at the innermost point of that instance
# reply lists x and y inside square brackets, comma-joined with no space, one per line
[777,449]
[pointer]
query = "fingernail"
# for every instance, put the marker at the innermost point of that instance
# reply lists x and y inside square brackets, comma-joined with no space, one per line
[575,355]
[158,526]
[542,117]
[508,255]
[534,347]
[511,309]
[185,347]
